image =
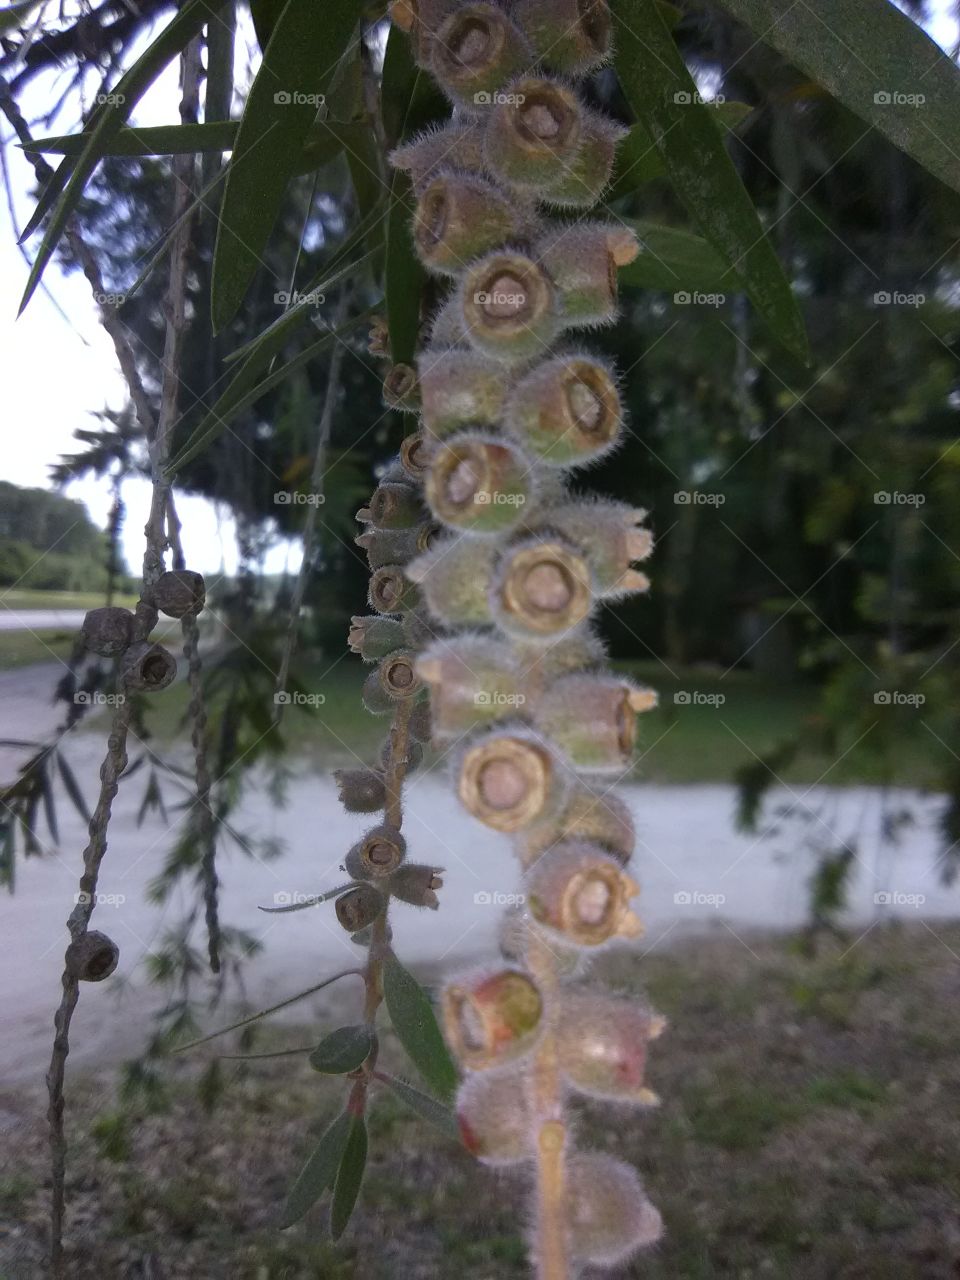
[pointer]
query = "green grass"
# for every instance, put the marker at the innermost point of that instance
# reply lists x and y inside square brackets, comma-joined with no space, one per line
[24,648]
[18,598]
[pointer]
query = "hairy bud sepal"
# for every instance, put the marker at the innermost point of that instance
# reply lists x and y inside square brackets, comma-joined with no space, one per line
[582,260]
[592,718]
[374,637]
[611,538]
[473,681]
[602,1045]
[416,885]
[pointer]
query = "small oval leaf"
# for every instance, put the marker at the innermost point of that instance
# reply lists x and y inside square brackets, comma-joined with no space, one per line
[427,1108]
[318,1173]
[416,1026]
[349,1177]
[343,1050]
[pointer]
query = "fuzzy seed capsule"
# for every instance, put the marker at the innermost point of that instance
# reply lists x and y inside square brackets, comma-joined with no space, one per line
[473,681]
[477,48]
[422,19]
[494,1117]
[416,885]
[455,576]
[391,591]
[394,506]
[580,892]
[542,587]
[400,390]
[107,631]
[420,724]
[392,681]
[456,146]
[575,36]
[533,133]
[179,593]
[411,759]
[599,817]
[602,1044]
[510,779]
[377,854]
[608,1212]
[491,1019]
[374,637]
[578,650]
[566,411]
[611,538]
[459,388]
[593,719]
[459,217]
[509,307]
[418,629]
[393,546]
[582,183]
[92,957]
[479,483]
[359,907]
[582,260]
[518,932]
[415,451]
[148,668]
[448,327]
[361,790]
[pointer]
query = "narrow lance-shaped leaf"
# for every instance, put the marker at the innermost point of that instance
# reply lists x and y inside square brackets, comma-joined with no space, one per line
[318,1173]
[427,1108]
[673,259]
[349,1177]
[416,1026]
[343,1050]
[638,160]
[658,86]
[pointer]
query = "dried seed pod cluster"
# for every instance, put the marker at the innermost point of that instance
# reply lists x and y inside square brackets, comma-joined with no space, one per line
[516,566]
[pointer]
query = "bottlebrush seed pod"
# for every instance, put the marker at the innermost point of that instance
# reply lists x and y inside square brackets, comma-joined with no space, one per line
[397,674]
[454,576]
[361,790]
[510,779]
[473,681]
[602,1045]
[579,650]
[359,907]
[459,217]
[455,146]
[374,637]
[179,592]
[533,133]
[582,260]
[148,668]
[608,1212]
[415,452]
[377,854]
[610,537]
[583,181]
[491,1018]
[575,36]
[107,631]
[566,410]
[517,931]
[390,546]
[599,817]
[417,627]
[476,49]
[458,389]
[400,390]
[509,307]
[593,719]
[494,1117]
[391,591]
[480,483]
[422,19]
[92,957]
[395,506]
[411,759]
[448,327]
[416,885]
[542,587]
[580,892]
[374,697]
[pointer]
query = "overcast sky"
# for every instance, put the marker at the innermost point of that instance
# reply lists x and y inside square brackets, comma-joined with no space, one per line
[56,371]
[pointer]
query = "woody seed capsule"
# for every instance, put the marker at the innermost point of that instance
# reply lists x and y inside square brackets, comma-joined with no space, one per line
[494,1117]
[491,1019]
[582,260]
[510,780]
[377,854]
[416,885]
[509,307]
[455,578]
[148,668]
[566,410]
[572,35]
[415,451]
[473,680]
[92,957]
[391,591]
[374,637]
[459,217]
[390,546]
[601,818]
[457,145]
[477,48]
[395,506]
[359,907]
[608,1213]
[107,631]
[422,19]
[459,388]
[361,790]
[179,592]
[480,483]
[400,390]
[610,536]
[593,719]
[581,184]
[542,587]
[583,894]
[602,1045]
[533,133]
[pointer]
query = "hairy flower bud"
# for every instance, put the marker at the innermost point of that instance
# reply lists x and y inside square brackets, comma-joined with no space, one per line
[476,49]
[541,588]
[361,790]
[148,667]
[459,387]
[359,907]
[455,146]
[380,851]
[566,410]
[374,637]
[415,452]
[92,957]
[572,35]
[602,1045]
[179,593]
[533,133]
[459,217]
[393,506]
[580,892]
[509,306]
[601,818]
[611,537]
[391,591]
[479,482]
[395,546]
[608,1213]
[592,718]
[455,577]
[416,884]
[510,779]
[473,680]
[491,1018]
[107,631]
[582,260]
[400,390]
[494,1117]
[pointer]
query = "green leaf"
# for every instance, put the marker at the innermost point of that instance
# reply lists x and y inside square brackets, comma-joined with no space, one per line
[298,63]
[638,160]
[349,1177]
[72,787]
[318,1173]
[159,140]
[416,1026]
[427,1108]
[690,142]
[858,49]
[71,176]
[265,14]
[674,259]
[343,1050]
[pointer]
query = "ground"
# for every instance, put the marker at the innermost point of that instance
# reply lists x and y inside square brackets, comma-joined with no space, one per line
[808,1130]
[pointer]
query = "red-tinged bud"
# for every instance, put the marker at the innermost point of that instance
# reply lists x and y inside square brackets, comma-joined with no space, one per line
[459,217]
[509,307]
[608,1212]
[599,817]
[359,907]
[148,668]
[378,854]
[491,1019]
[107,631]
[477,48]
[582,260]
[458,146]
[415,452]
[566,411]
[533,133]
[400,390]
[583,182]
[459,388]
[454,576]
[593,719]
[480,482]
[602,1045]
[494,1117]
[542,588]
[361,790]
[473,681]
[395,506]
[581,893]
[510,779]
[416,885]
[374,637]
[92,957]
[179,593]
[391,591]
[575,36]
[611,538]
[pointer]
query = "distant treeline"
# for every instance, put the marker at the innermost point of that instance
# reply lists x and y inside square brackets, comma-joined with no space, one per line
[48,542]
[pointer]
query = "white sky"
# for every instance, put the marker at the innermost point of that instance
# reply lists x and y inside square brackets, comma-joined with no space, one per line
[55,372]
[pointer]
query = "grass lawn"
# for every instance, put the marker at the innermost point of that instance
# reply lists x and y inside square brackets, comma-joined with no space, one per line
[807,1132]
[23,648]
[17,598]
